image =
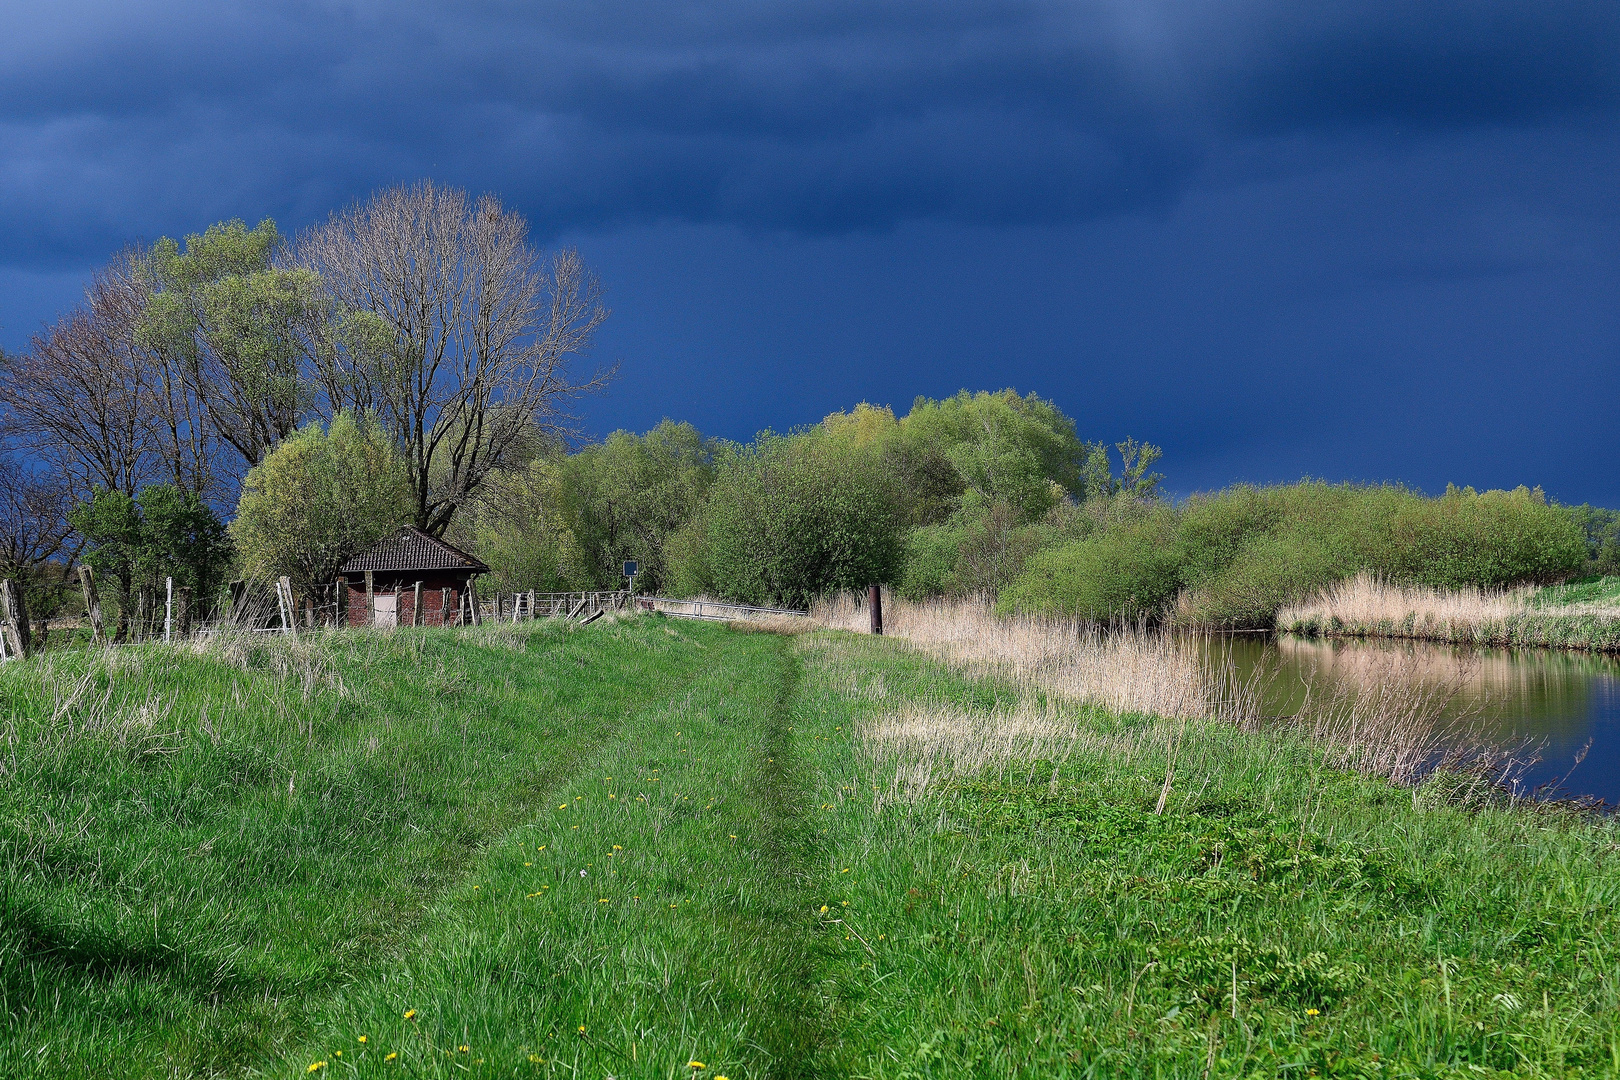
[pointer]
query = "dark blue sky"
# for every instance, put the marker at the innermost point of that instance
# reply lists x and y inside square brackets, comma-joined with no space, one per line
[1366,241]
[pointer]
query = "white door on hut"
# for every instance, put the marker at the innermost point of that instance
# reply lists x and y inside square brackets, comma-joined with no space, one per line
[387,610]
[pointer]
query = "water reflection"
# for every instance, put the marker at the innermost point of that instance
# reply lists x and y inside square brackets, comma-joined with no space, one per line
[1566,700]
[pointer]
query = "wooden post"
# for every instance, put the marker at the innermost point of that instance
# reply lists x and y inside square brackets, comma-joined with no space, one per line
[14,619]
[416,605]
[183,615]
[92,602]
[444,606]
[874,601]
[289,613]
[371,600]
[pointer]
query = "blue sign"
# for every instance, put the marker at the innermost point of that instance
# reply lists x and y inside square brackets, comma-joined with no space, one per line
[631,568]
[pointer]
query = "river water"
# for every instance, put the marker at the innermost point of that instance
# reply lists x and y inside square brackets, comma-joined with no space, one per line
[1564,704]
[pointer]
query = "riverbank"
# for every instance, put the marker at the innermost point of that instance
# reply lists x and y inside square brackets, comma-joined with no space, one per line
[652,848]
[1364,606]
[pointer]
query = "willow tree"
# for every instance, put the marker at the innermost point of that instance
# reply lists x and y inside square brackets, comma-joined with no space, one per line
[452,329]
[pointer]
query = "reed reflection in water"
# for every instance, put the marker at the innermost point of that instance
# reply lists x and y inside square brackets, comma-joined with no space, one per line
[1569,702]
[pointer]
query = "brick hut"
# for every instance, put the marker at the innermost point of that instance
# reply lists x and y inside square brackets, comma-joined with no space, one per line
[412,579]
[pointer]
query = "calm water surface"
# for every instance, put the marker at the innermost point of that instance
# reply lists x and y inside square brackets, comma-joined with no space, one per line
[1566,702]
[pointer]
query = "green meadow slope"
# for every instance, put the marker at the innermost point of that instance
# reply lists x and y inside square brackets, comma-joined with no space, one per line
[662,849]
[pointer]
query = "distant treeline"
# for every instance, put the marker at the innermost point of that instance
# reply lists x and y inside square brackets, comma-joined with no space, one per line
[994,495]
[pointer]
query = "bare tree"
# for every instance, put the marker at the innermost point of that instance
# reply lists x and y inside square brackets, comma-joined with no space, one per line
[34,530]
[76,397]
[454,330]
[102,405]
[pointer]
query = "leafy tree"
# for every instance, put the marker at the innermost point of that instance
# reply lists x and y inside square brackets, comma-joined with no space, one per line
[518,525]
[792,517]
[629,494]
[318,499]
[1021,450]
[135,543]
[240,328]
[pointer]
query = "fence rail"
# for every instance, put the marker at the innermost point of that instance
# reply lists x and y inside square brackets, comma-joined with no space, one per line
[709,609]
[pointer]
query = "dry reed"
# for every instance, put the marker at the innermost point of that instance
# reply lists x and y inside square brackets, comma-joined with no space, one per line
[1395,716]
[1125,669]
[1366,605]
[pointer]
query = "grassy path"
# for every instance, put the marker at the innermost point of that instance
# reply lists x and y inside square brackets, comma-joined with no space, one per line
[657,912]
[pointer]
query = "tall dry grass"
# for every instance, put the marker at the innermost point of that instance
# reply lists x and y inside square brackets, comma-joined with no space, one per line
[1366,605]
[1395,716]
[1125,669]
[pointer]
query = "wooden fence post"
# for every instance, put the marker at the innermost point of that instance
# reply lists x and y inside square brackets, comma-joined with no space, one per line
[92,603]
[416,605]
[444,606]
[182,616]
[289,614]
[14,619]
[371,600]
[472,595]
[874,601]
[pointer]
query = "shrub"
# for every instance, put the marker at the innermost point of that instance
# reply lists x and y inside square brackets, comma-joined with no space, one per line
[1125,572]
[1465,538]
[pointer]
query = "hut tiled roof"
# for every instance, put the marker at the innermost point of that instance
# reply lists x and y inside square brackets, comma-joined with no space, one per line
[409,548]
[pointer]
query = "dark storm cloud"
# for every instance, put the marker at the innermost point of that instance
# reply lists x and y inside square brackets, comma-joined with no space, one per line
[821,116]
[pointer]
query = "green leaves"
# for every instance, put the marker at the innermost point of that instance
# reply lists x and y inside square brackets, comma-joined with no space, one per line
[318,499]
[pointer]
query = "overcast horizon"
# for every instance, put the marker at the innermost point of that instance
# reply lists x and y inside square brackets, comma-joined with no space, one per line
[1371,242]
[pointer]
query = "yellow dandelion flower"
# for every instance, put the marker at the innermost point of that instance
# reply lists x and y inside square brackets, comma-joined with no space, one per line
[464,1048]
[337,1053]
[528,864]
[582,1029]
[601,901]
[317,1067]
[531,896]
[845,870]
[534,1059]
[695,1065]
[1313,1012]
[612,796]
[410,1014]
[824,909]
[392,1054]
[617,847]
[542,847]
[362,1038]
[562,806]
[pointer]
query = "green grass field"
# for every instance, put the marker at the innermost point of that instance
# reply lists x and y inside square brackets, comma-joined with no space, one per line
[665,849]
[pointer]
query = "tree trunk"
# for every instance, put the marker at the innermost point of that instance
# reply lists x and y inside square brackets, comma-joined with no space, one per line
[14,618]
